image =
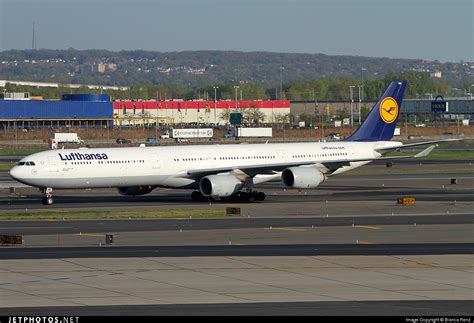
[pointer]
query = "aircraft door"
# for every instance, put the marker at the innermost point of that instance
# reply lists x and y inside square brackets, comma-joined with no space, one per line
[53,165]
[281,155]
[210,160]
[155,161]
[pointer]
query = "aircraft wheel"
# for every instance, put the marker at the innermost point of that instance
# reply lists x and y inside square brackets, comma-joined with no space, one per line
[47,200]
[244,196]
[197,196]
[259,196]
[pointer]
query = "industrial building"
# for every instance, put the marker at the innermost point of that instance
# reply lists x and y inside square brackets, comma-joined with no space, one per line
[98,111]
[202,112]
[79,110]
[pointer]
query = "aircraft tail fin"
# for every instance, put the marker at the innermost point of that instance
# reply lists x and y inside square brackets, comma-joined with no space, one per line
[382,119]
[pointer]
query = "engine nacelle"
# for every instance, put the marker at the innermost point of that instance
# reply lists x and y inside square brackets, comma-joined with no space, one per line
[302,177]
[135,190]
[219,185]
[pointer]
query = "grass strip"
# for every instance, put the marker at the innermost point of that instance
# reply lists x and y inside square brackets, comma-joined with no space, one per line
[58,214]
[21,151]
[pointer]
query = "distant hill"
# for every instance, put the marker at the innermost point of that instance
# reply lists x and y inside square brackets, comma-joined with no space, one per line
[199,68]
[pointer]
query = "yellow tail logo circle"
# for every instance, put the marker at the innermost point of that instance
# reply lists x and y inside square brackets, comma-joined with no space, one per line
[389,110]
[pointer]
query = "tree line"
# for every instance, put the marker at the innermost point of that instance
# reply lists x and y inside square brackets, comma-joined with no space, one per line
[419,85]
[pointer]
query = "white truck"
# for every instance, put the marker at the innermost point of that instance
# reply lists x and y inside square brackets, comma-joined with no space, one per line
[192,133]
[165,135]
[250,132]
[67,137]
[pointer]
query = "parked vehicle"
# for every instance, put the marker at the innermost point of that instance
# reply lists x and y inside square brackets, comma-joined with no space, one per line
[166,135]
[151,140]
[123,141]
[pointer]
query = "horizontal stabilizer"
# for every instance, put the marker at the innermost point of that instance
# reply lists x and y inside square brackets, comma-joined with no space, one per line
[425,152]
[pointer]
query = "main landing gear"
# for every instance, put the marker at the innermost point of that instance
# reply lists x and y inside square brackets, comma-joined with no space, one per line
[48,198]
[256,196]
[240,196]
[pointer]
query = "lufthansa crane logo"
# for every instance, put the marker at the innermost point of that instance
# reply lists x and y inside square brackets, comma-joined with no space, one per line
[389,110]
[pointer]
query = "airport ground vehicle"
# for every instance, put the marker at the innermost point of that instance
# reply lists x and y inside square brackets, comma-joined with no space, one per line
[248,132]
[188,133]
[192,133]
[220,171]
[67,137]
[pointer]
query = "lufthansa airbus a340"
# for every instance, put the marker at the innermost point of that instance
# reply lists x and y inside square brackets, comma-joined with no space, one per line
[219,171]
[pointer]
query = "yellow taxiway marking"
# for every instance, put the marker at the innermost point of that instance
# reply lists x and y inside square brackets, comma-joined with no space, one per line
[413,263]
[366,227]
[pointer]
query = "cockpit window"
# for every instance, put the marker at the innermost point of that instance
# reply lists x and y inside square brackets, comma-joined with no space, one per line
[28,163]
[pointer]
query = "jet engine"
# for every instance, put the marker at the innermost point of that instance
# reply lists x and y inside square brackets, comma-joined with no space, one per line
[135,190]
[219,185]
[302,177]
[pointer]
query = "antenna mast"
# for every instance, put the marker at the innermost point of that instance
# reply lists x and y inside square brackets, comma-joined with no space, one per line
[33,38]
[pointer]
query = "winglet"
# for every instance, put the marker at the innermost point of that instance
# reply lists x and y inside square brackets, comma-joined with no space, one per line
[425,152]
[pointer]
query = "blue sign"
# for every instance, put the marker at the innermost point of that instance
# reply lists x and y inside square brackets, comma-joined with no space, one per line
[439,105]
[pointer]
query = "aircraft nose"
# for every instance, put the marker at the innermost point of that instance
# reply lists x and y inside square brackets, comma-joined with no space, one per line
[15,172]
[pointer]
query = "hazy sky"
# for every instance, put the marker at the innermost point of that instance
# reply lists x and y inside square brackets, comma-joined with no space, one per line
[427,29]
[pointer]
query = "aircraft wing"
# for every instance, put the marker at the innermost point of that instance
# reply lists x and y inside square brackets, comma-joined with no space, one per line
[326,166]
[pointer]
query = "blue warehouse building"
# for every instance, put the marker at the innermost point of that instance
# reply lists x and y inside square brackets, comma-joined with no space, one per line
[74,110]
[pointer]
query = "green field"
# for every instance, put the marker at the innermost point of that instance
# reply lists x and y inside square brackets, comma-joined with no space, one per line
[21,151]
[58,214]
[4,167]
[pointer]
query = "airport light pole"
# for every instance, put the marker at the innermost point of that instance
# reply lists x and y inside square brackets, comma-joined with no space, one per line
[360,101]
[281,83]
[156,118]
[215,103]
[351,89]
[236,87]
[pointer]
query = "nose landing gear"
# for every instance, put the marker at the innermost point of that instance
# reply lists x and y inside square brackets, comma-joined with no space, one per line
[48,198]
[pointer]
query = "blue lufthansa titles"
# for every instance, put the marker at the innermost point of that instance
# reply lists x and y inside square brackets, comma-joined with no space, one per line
[79,156]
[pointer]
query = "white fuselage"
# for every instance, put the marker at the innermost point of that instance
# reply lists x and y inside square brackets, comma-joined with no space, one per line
[169,166]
